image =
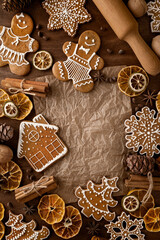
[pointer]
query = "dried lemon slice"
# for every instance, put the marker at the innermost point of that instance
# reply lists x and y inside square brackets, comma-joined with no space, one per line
[143,207]
[132,81]
[42,60]
[130,203]
[10,110]
[70,225]
[158,102]
[23,104]
[51,208]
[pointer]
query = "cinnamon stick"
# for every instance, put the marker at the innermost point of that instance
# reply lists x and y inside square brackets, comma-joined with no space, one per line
[136,181]
[16,83]
[28,192]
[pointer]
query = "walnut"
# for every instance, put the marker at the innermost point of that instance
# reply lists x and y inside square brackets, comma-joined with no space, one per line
[137,7]
[6,154]
[156,45]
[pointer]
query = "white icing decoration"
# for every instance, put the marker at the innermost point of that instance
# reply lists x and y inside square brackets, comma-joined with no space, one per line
[61,70]
[68,47]
[90,44]
[65,14]
[143,132]
[20,16]
[21,230]
[86,50]
[96,64]
[49,147]
[102,210]
[76,69]
[10,55]
[21,27]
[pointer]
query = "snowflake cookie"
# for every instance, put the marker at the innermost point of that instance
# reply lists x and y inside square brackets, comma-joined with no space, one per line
[143,132]
[96,199]
[24,231]
[125,228]
[154,12]
[66,14]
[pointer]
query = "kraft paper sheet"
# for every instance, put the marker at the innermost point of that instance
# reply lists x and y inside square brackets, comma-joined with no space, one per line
[92,127]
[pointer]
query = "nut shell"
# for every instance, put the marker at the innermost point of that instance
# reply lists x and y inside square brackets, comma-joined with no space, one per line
[137,7]
[156,45]
[6,154]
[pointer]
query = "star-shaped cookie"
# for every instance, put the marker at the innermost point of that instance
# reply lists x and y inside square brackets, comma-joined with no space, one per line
[66,14]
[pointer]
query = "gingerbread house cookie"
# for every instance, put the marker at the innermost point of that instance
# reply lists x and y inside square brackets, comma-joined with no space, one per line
[39,143]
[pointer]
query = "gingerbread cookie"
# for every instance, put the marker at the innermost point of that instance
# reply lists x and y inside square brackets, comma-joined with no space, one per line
[81,60]
[143,132]
[154,12]
[66,14]
[24,231]
[125,228]
[16,42]
[39,143]
[96,199]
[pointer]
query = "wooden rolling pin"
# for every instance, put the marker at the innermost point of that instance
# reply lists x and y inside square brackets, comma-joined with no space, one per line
[126,28]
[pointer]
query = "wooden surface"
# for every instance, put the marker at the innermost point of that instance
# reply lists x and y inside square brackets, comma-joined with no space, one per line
[54,46]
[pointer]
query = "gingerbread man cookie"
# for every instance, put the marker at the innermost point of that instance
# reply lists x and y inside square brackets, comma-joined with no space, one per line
[16,42]
[81,60]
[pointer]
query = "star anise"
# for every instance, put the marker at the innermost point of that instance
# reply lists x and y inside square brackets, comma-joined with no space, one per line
[29,210]
[93,228]
[99,76]
[149,97]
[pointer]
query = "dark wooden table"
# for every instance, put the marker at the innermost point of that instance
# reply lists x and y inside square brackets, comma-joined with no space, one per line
[54,46]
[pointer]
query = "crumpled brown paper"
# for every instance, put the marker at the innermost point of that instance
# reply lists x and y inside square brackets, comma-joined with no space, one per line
[92,126]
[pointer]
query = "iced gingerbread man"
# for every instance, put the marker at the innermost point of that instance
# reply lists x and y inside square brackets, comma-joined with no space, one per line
[16,42]
[81,60]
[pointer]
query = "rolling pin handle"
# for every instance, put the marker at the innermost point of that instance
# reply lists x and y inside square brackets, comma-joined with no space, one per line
[148,59]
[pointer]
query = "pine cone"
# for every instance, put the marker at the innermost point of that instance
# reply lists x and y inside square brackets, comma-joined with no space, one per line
[140,165]
[14,5]
[6,132]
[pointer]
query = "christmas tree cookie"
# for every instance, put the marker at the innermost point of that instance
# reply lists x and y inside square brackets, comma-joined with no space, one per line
[23,231]
[96,199]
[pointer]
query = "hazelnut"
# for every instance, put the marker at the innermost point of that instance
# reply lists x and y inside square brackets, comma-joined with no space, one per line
[6,154]
[156,45]
[137,7]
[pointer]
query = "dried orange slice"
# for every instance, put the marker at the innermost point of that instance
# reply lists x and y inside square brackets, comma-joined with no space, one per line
[42,60]
[130,203]
[132,81]
[51,208]
[1,211]
[143,208]
[2,230]
[152,220]
[70,225]
[11,175]
[23,104]
[3,98]
[158,102]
